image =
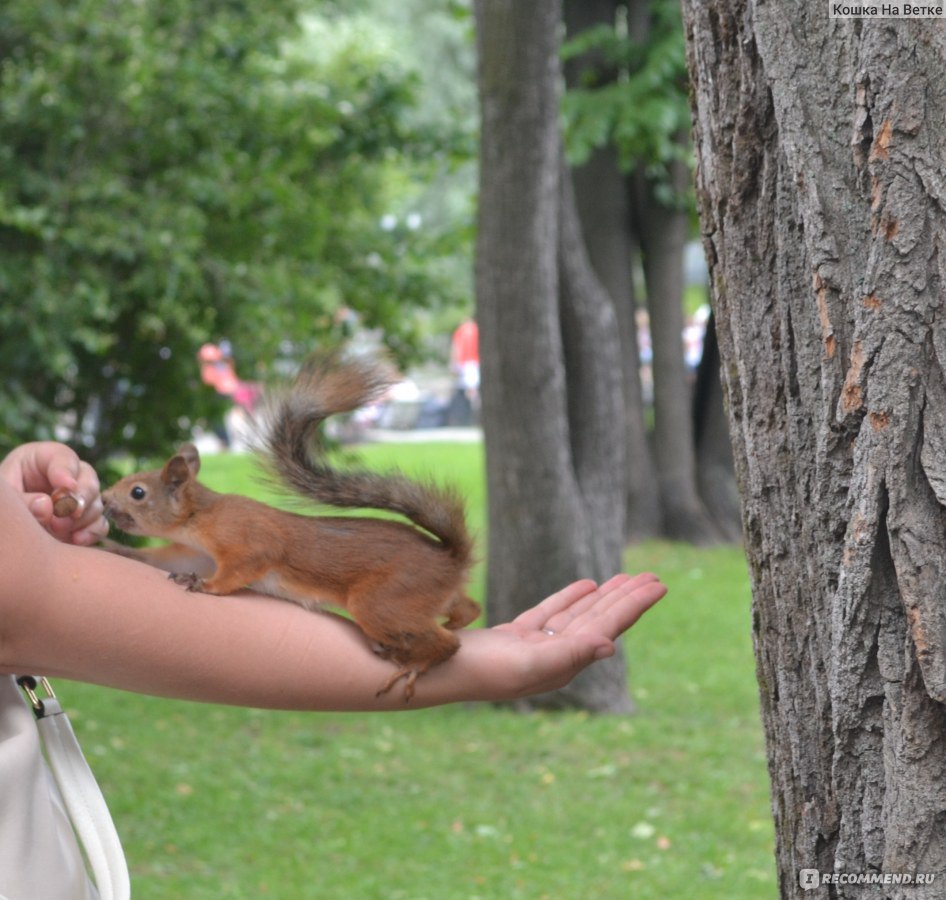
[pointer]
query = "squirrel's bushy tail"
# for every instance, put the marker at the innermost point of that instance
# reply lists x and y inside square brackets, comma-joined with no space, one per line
[330,384]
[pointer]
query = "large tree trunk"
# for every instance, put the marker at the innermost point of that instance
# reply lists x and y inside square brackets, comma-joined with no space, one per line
[823,203]
[552,415]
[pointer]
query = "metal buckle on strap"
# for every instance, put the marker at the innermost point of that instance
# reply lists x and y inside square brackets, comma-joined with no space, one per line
[40,705]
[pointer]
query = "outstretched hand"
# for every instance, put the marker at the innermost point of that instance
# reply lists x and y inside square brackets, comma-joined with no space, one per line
[549,644]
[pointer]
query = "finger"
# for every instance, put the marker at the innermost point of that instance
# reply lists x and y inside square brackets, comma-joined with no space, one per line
[606,594]
[560,659]
[89,488]
[626,607]
[53,466]
[92,534]
[40,507]
[62,476]
[92,514]
[537,616]
[87,512]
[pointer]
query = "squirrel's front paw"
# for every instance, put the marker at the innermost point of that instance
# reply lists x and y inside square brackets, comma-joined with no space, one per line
[190,580]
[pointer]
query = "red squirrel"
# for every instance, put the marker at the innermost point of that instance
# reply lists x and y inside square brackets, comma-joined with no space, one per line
[403,585]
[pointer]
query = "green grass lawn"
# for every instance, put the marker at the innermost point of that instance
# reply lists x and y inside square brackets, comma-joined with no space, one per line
[466,801]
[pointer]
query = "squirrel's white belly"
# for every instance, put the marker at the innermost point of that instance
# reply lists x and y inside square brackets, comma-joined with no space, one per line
[274,586]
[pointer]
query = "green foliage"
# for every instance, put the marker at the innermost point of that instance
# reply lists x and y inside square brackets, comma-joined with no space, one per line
[632,93]
[174,171]
[461,802]
[434,41]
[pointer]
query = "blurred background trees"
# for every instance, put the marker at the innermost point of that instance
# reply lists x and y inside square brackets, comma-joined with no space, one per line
[627,128]
[578,460]
[176,172]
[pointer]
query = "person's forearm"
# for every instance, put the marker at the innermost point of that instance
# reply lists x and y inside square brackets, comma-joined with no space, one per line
[125,625]
[93,616]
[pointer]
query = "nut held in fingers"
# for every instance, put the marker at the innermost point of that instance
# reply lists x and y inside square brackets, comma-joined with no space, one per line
[64,503]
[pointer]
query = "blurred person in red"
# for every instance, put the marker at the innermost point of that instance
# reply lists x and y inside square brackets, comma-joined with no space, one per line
[465,364]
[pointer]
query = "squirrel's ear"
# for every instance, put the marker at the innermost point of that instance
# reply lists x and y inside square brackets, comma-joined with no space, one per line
[176,472]
[190,456]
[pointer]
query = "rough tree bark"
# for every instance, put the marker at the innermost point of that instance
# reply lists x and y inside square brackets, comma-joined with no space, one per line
[822,187]
[552,400]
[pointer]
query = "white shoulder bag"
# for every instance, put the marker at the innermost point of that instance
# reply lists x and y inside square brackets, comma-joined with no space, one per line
[81,794]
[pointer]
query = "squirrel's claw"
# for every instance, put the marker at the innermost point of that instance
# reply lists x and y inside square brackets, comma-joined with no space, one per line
[409,674]
[189,580]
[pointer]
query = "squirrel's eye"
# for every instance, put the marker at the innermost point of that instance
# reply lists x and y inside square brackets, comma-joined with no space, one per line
[138,492]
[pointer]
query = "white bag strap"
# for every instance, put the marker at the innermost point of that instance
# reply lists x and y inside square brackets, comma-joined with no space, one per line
[81,794]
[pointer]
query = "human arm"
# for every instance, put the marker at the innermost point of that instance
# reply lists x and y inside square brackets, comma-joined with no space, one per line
[80,613]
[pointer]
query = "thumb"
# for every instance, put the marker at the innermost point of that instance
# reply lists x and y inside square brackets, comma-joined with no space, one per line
[62,475]
[574,653]
[40,507]
[604,650]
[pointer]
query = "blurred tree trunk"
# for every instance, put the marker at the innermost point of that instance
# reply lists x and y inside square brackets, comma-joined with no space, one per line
[603,202]
[663,230]
[662,223]
[552,402]
[716,477]
[822,188]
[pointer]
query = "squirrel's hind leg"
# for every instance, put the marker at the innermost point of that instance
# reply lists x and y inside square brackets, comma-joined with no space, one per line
[416,654]
[414,662]
[414,643]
